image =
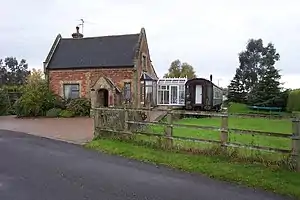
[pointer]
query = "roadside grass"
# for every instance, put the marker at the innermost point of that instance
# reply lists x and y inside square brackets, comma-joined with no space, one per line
[254,175]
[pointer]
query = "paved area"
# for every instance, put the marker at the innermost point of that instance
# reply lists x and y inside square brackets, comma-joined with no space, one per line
[75,130]
[35,168]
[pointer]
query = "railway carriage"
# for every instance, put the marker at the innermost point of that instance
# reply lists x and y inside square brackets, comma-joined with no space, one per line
[202,94]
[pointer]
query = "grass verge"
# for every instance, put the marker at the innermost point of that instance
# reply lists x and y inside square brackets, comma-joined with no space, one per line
[254,175]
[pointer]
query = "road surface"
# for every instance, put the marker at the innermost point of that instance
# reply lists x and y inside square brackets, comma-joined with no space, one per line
[34,168]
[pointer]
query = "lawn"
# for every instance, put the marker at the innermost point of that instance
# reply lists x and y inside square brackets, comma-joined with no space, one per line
[259,124]
[255,175]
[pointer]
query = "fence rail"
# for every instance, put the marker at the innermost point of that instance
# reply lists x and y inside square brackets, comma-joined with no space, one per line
[128,120]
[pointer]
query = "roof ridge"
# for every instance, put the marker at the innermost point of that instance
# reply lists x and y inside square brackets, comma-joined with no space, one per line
[132,34]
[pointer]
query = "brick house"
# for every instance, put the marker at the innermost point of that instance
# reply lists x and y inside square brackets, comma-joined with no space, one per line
[110,70]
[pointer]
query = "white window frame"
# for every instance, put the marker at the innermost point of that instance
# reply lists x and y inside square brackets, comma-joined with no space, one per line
[71,84]
[165,84]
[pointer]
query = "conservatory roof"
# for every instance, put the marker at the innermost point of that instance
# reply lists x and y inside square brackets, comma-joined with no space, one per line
[146,77]
[172,81]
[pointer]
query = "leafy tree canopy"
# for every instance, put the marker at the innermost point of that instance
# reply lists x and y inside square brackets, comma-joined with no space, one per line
[13,72]
[180,70]
[256,80]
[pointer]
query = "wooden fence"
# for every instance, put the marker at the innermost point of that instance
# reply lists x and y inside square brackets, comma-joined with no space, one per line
[121,121]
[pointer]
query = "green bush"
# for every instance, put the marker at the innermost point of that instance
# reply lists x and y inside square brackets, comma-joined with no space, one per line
[36,100]
[293,104]
[80,106]
[53,112]
[66,113]
[4,102]
[59,102]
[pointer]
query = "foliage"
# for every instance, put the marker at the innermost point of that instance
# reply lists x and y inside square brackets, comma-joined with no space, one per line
[66,113]
[180,70]
[36,98]
[4,102]
[267,91]
[294,101]
[53,112]
[80,106]
[13,72]
[256,80]
[13,88]
[59,102]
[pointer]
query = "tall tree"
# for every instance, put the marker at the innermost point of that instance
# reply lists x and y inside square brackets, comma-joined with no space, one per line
[255,61]
[180,70]
[267,92]
[13,72]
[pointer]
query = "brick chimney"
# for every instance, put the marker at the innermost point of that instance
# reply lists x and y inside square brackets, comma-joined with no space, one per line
[77,34]
[210,77]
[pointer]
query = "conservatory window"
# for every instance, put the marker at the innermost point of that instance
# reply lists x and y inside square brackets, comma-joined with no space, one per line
[181,94]
[142,92]
[171,91]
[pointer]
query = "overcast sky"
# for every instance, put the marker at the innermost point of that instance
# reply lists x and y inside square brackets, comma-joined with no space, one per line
[206,34]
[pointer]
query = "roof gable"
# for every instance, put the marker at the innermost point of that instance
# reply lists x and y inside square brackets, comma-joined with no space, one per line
[107,51]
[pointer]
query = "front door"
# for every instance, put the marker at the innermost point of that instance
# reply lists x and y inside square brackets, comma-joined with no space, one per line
[198,94]
[103,97]
[174,94]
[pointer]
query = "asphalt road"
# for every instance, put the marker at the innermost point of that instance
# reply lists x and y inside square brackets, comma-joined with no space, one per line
[33,168]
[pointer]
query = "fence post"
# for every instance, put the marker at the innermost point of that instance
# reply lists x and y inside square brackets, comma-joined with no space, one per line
[224,130]
[96,120]
[148,112]
[169,130]
[126,119]
[296,143]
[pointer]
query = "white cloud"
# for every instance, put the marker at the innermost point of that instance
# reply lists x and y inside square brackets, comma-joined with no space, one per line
[207,34]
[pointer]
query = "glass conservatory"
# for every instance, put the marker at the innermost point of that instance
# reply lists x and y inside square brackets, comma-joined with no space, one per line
[171,91]
[148,90]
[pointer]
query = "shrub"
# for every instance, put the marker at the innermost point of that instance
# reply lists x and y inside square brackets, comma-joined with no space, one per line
[53,112]
[80,106]
[4,102]
[59,102]
[66,113]
[36,99]
[294,101]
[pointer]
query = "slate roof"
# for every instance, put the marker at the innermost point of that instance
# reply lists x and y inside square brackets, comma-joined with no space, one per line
[106,51]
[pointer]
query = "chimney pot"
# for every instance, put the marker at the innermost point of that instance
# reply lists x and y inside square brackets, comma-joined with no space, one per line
[210,77]
[77,34]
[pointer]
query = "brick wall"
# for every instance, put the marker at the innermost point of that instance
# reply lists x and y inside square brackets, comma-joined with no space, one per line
[87,78]
[144,50]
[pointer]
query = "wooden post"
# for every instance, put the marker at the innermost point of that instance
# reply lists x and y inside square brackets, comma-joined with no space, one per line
[149,112]
[126,120]
[96,121]
[296,143]
[224,130]
[169,130]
